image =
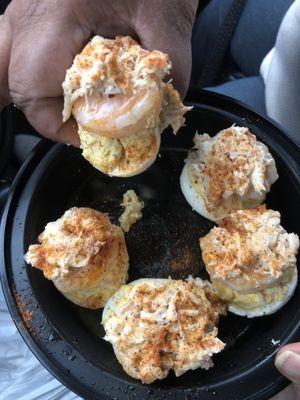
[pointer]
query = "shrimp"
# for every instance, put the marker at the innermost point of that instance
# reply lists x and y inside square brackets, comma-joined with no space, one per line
[118,115]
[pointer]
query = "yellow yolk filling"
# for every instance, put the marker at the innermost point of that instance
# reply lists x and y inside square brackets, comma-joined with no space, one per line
[252,301]
[108,154]
[225,205]
[132,210]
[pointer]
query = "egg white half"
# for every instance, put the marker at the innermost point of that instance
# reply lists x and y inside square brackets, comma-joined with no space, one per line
[194,199]
[268,309]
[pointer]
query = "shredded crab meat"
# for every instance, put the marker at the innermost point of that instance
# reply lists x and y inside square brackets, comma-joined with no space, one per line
[72,241]
[249,249]
[232,169]
[166,326]
[84,255]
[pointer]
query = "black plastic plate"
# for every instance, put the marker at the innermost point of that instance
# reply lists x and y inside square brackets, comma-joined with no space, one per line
[68,339]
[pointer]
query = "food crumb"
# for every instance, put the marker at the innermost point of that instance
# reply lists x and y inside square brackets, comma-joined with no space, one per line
[182,260]
[24,309]
[132,210]
[275,342]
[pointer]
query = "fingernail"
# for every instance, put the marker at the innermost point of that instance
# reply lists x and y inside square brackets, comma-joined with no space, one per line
[288,363]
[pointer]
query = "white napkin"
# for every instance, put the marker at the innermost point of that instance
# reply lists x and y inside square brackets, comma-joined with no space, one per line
[22,376]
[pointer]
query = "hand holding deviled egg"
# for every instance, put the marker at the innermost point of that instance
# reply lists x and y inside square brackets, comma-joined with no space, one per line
[116,93]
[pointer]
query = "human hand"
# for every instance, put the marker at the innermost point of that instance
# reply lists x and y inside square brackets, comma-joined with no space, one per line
[40,38]
[288,363]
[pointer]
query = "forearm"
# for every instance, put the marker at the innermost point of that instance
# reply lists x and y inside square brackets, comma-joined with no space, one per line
[5,44]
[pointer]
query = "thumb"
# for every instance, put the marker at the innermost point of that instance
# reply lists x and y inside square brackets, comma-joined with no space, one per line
[169,31]
[288,363]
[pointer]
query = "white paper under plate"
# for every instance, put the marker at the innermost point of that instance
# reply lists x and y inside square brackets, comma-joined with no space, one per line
[22,376]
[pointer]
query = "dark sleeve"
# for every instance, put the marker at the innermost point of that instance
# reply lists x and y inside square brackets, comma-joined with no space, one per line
[3,5]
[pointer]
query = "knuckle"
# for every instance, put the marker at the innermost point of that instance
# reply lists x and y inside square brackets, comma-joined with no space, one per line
[19,93]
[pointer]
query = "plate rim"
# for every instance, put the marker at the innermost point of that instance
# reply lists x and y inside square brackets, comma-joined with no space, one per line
[35,157]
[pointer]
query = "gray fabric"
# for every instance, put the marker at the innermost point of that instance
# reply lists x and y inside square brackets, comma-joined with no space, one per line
[256,32]
[250,91]
[205,32]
